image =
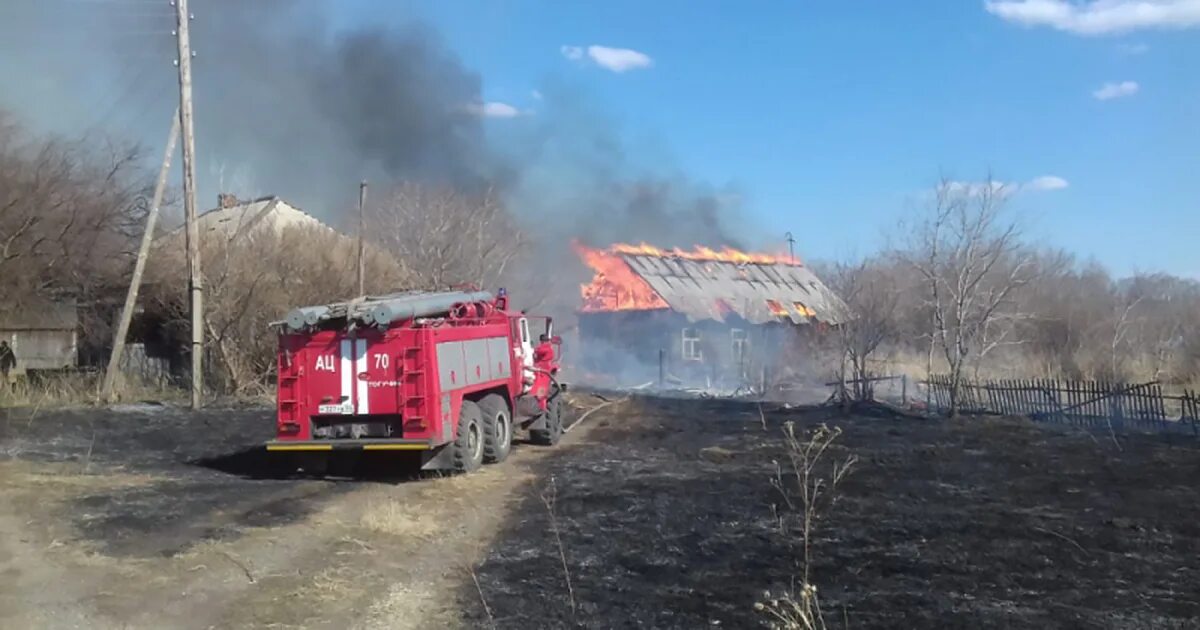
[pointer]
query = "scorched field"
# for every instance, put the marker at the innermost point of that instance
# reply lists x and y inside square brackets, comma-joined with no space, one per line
[656,513]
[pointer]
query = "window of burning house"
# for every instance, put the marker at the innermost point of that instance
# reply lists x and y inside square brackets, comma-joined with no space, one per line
[740,344]
[691,345]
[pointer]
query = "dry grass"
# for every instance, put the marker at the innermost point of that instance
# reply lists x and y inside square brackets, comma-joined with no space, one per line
[420,605]
[53,479]
[74,389]
[397,519]
[333,583]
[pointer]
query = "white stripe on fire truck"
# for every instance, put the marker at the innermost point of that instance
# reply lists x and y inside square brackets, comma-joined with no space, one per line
[346,369]
[360,369]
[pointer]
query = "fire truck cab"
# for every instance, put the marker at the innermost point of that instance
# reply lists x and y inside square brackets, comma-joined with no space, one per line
[450,377]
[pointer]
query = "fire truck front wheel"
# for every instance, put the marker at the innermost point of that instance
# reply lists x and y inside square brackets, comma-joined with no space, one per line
[552,433]
[467,448]
[497,428]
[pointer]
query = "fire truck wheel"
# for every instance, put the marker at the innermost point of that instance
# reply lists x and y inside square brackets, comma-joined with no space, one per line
[468,445]
[497,428]
[554,427]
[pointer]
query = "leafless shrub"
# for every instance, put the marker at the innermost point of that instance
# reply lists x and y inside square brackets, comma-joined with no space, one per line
[808,489]
[871,293]
[252,279]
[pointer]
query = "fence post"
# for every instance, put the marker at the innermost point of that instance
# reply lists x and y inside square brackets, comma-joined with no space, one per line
[904,390]
[1192,407]
[1118,406]
[662,368]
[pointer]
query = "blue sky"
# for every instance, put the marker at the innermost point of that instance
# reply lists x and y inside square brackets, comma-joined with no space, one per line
[831,118]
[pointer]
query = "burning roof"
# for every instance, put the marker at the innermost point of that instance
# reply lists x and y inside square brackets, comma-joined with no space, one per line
[706,284]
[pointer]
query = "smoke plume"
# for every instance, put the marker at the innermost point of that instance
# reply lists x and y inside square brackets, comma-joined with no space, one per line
[287,104]
[284,103]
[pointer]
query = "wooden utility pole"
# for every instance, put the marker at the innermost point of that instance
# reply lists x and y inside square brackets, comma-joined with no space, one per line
[118,347]
[362,201]
[182,18]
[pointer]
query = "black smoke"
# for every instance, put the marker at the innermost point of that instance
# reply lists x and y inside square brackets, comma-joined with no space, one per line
[284,103]
[288,104]
[309,112]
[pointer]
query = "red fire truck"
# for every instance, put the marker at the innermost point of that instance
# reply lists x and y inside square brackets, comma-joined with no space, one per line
[450,376]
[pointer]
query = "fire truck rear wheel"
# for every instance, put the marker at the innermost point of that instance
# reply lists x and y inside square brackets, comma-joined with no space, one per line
[497,428]
[467,447]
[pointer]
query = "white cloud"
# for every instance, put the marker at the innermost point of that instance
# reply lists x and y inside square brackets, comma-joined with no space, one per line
[619,59]
[494,109]
[1098,17]
[1116,90]
[975,189]
[1047,182]
[1133,49]
[536,94]
[614,59]
[1005,189]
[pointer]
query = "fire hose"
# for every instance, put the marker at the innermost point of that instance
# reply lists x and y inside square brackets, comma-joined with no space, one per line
[591,411]
[558,389]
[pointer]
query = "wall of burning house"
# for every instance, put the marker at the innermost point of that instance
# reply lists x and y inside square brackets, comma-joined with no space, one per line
[630,348]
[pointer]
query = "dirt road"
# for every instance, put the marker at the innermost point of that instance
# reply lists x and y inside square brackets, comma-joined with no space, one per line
[657,513]
[151,517]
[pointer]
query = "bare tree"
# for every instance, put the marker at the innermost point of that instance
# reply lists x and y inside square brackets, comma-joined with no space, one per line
[871,293]
[449,238]
[1167,313]
[70,212]
[972,263]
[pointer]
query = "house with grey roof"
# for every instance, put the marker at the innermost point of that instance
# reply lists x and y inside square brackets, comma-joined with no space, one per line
[697,321]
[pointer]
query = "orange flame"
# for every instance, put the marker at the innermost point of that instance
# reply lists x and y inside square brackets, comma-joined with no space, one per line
[702,253]
[615,287]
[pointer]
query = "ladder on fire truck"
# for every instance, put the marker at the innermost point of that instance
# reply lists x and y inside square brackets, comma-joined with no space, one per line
[412,370]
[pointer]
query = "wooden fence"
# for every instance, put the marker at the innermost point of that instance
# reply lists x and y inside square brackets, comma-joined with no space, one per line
[1086,403]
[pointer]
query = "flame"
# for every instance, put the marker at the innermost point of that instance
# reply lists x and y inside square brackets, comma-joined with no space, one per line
[616,287]
[702,253]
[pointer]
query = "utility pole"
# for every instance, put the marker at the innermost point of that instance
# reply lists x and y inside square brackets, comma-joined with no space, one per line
[114,361]
[362,201]
[791,241]
[182,18]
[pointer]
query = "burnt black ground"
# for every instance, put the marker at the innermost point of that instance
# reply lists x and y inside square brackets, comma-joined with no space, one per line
[190,457]
[980,523]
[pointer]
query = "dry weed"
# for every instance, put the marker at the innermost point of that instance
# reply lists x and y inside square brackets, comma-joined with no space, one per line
[549,498]
[807,491]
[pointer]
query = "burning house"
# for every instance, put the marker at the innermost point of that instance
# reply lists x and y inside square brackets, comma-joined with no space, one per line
[700,317]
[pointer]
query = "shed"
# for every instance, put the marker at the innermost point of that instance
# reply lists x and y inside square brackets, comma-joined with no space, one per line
[43,333]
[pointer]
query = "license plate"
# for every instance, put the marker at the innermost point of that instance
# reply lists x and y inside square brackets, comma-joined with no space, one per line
[344,408]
